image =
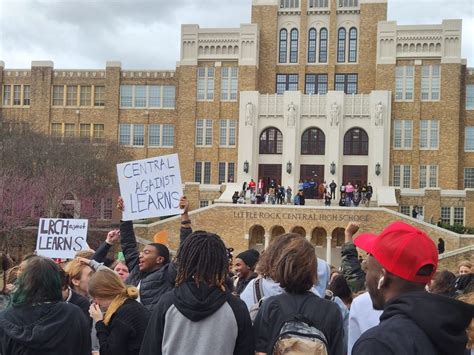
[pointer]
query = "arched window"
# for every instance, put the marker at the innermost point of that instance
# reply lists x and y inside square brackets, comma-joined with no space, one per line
[353,45]
[294,46]
[312,46]
[271,141]
[356,142]
[341,45]
[313,142]
[283,45]
[323,45]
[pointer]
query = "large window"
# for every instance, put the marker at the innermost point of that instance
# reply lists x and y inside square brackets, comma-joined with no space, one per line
[428,176]
[286,82]
[402,176]
[26,95]
[202,172]
[58,95]
[71,95]
[226,172]
[403,134]
[227,133]
[346,83]
[452,215]
[289,4]
[271,141]
[468,178]
[205,84]
[69,130]
[404,83]
[469,139]
[161,135]
[229,82]
[7,94]
[98,133]
[146,96]
[16,95]
[283,46]
[126,96]
[356,142]
[323,45]
[348,3]
[312,45]
[430,79]
[99,96]
[316,84]
[86,92]
[313,142]
[429,134]
[469,97]
[204,133]
[132,135]
[294,46]
[341,45]
[353,45]
[318,3]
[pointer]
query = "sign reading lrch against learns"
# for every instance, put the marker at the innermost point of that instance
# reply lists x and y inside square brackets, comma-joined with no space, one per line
[61,238]
[150,187]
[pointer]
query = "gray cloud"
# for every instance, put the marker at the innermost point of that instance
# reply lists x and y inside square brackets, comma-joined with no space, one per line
[145,33]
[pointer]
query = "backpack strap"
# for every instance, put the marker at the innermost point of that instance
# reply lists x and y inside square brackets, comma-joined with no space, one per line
[258,290]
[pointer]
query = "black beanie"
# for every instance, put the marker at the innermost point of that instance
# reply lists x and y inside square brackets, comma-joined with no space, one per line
[249,257]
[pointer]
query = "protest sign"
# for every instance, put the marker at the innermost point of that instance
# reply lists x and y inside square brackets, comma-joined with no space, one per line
[150,187]
[61,238]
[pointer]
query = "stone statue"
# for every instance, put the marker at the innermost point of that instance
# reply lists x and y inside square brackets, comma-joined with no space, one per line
[379,114]
[291,115]
[334,114]
[249,114]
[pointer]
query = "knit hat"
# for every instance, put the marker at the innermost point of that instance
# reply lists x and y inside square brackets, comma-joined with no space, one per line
[249,257]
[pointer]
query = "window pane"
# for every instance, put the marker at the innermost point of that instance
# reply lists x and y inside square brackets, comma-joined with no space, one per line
[86,95]
[396,175]
[199,132]
[154,135]
[312,46]
[169,96]
[85,131]
[99,96]
[168,135]
[341,46]
[56,129]
[126,95]
[210,83]
[292,82]
[225,83]
[198,172]
[434,135]
[323,45]
[468,178]
[230,172]
[232,128]
[16,95]
[408,136]
[58,95]
[422,176]
[433,176]
[154,96]
[446,215]
[423,134]
[353,45]
[209,132]
[406,176]
[470,97]
[124,134]
[98,133]
[201,84]
[469,139]
[397,134]
[7,95]
[71,95]
[223,133]
[294,46]
[283,41]
[458,215]
[69,130]
[140,96]
[221,172]
[207,172]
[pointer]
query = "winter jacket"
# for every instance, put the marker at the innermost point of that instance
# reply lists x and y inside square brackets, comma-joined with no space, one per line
[351,268]
[153,284]
[47,329]
[418,323]
[200,321]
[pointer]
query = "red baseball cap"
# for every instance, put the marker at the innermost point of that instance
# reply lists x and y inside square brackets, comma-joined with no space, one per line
[402,250]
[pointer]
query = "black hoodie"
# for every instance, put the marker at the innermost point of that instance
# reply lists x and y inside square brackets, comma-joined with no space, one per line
[199,320]
[419,323]
[46,329]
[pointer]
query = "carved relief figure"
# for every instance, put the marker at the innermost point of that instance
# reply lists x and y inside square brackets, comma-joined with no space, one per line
[249,114]
[379,114]
[334,114]
[291,115]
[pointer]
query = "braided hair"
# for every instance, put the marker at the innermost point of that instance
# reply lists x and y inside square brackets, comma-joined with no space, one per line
[203,258]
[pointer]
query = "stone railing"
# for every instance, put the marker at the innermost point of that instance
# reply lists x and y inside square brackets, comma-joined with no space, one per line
[160,74]
[313,105]
[356,106]
[59,73]
[271,105]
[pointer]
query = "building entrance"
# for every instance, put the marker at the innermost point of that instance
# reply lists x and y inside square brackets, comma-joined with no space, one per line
[312,176]
[268,173]
[356,174]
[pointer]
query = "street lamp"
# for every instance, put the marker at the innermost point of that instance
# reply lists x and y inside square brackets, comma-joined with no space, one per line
[288,167]
[246,167]
[377,169]
[332,168]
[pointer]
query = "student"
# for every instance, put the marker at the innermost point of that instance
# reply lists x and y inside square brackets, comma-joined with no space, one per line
[295,271]
[78,275]
[38,322]
[120,330]
[245,269]
[465,267]
[200,316]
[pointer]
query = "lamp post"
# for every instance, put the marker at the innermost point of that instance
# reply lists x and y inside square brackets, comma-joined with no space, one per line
[288,167]
[246,167]
[378,170]
[332,168]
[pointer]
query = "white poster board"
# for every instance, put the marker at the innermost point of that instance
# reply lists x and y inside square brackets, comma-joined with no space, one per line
[150,187]
[61,237]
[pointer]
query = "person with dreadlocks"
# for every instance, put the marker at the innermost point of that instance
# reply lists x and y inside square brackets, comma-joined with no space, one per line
[200,316]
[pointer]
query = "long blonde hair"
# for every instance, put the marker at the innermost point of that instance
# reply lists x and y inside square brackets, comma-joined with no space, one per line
[107,284]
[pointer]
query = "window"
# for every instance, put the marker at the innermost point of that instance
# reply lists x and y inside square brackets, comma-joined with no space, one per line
[318,3]
[402,176]
[323,45]
[86,92]
[154,96]
[286,82]
[169,96]
[138,135]
[458,215]
[469,139]
[140,96]
[294,46]
[452,215]
[126,95]
[98,133]
[313,142]
[106,208]
[71,95]
[348,3]
[289,4]
[429,134]
[405,209]
[132,134]
[16,95]
[26,95]
[346,83]
[58,95]
[226,172]
[283,46]
[353,45]
[229,83]
[312,45]
[341,45]
[403,134]
[85,132]
[227,133]
[202,172]
[428,176]
[205,84]
[99,95]
[203,203]
[69,130]
[6,95]
[316,84]
[468,178]
[56,130]
[271,141]
[469,97]
[160,135]
[356,142]
[125,134]
[430,78]
[147,96]
[446,215]
[404,83]
[204,133]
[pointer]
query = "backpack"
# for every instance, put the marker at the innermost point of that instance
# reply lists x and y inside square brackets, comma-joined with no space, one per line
[298,335]
[258,298]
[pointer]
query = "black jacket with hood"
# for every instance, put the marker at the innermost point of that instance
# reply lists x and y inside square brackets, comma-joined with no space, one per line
[152,284]
[46,329]
[200,321]
[418,323]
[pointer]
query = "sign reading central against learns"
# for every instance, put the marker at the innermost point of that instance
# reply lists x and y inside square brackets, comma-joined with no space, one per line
[61,238]
[150,187]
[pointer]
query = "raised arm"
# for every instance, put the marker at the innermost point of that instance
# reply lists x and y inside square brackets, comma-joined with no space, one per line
[101,252]
[350,264]
[186,228]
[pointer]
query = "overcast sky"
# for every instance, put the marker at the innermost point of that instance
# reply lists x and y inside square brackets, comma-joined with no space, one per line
[145,34]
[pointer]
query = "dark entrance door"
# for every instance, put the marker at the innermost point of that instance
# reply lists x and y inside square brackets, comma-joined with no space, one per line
[312,176]
[269,172]
[356,174]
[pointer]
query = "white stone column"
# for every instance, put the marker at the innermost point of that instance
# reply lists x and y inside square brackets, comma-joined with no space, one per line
[334,136]
[292,105]
[328,249]
[267,240]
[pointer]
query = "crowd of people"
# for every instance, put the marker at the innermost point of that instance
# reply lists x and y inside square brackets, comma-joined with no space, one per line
[390,300]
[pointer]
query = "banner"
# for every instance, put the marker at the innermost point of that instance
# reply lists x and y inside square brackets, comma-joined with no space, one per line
[150,187]
[61,238]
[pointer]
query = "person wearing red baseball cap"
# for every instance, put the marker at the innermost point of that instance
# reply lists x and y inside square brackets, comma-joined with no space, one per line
[402,260]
